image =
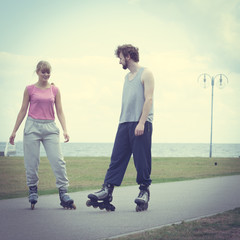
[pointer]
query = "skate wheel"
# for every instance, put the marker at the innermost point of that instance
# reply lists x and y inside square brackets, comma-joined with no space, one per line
[101,206]
[32,206]
[138,208]
[73,206]
[146,206]
[113,208]
[70,207]
[92,203]
[110,208]
[88,203]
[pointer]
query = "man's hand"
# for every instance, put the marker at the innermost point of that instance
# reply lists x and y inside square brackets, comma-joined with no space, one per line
[139,130]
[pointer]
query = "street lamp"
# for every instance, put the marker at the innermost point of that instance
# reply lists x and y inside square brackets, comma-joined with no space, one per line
[205,80]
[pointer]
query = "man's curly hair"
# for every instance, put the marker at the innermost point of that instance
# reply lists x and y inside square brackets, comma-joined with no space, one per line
[128,50]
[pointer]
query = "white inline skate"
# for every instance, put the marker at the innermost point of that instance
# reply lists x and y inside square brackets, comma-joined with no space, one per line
[65,201]
[143,198]
[102,198]
[33,196]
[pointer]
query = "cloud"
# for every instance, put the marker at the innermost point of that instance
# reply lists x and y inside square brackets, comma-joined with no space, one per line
[206,28]
[178,40]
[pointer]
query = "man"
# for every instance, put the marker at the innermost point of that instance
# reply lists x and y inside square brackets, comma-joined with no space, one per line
[134,132]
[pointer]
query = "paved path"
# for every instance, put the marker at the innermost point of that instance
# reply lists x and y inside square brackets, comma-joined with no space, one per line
[170,203]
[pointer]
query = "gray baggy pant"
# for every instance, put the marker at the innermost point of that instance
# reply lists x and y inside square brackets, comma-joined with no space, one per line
[47,132]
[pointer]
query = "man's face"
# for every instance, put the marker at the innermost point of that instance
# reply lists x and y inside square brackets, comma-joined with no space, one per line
[123,61]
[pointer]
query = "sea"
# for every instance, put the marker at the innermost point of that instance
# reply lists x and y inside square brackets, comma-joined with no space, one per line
[75,149]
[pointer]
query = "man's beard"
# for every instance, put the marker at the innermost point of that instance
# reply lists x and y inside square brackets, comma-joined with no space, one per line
[125,66]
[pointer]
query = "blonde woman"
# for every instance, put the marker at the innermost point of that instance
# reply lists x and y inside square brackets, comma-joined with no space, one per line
[40,126]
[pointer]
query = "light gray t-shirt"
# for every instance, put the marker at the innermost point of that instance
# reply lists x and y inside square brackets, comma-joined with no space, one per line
[133,99]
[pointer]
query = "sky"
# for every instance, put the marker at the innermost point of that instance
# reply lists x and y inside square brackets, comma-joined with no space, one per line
[177,40]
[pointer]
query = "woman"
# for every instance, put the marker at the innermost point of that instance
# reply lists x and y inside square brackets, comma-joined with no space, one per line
[41,127]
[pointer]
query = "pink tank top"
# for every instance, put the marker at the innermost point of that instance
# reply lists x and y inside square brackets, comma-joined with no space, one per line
[42,102]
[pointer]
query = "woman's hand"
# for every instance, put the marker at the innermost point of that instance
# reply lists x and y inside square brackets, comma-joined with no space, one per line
[66,137]
[12,137]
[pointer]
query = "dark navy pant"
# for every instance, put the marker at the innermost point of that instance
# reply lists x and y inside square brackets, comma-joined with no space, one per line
[126,144]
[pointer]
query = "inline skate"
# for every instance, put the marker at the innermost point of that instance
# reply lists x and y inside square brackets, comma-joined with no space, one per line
[33,196]
[102,198]
[65,201]
[143,198]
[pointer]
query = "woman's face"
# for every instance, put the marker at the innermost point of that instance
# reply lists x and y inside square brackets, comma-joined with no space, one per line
[44,75]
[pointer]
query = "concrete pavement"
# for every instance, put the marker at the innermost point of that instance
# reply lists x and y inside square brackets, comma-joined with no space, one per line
[170,203]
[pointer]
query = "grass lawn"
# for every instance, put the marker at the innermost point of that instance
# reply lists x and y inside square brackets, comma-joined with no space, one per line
[223,226]
[89,172]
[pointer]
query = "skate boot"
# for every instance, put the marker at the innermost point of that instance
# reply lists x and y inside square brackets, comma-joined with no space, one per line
[65,201]
[33,196]
[143,198]
[102,198]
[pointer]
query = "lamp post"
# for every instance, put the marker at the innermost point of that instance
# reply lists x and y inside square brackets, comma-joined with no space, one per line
[205,80]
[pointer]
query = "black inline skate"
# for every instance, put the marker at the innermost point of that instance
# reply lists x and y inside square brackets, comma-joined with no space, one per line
[143,198]
[102,198]
[65,201]
[33,196]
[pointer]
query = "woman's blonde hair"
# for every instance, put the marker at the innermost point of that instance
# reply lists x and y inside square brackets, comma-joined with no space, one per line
[43,65]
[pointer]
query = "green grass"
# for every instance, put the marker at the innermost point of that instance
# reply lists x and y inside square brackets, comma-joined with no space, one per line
[89,172]
[224,226]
